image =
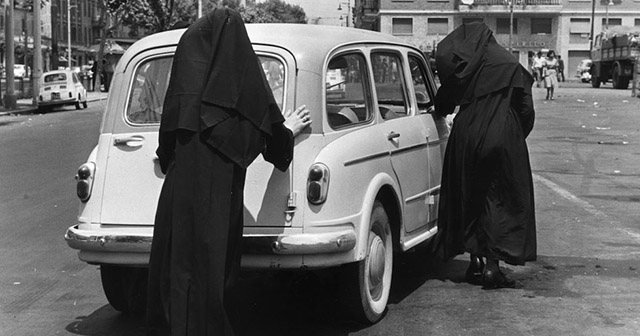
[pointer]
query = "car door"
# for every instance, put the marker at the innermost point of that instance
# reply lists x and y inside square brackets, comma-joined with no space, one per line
[133,178]
[423,89]
[268,191]
[405,131]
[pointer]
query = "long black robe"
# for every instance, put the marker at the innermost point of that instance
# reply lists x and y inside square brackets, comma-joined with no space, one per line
[486,202]
[218,115]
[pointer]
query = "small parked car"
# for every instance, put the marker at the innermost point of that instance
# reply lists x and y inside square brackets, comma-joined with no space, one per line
[21,71]
[363,185]
[59,88]
[583,71]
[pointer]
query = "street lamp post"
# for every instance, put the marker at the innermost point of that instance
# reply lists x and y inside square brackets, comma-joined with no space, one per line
[348,3]
[510,25]
[610,3]
[69,6]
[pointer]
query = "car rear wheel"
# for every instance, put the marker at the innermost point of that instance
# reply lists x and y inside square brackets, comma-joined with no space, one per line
[618,81]
[373,273]
[125,288]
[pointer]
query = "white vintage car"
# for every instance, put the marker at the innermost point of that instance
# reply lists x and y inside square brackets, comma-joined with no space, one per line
[364,183]
[59,88]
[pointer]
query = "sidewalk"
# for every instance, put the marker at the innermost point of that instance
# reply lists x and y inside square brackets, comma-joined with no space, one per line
[25,106]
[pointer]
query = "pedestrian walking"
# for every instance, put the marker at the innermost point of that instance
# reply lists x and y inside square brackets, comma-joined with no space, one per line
[560,69]
[538,63]
[550,74]
[486,200]
[218,115]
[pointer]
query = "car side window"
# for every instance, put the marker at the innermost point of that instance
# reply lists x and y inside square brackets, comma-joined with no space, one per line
[419,82]
[390,87]
[347,90]
[148,90]
[274,71]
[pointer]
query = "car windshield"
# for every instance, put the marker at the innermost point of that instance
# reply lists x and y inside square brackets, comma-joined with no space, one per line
[151,80]
[57,77]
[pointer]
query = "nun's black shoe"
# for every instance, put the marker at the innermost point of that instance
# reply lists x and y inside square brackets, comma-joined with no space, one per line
[474,271]
[495,280]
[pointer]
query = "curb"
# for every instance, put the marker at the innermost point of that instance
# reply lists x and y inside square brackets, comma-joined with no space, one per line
[30,109]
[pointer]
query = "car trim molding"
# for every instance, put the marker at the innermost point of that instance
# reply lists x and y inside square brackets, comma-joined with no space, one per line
[366,158]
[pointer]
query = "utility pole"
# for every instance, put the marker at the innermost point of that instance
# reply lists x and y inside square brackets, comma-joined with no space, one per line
[593,14]
[10,95]
[37,52]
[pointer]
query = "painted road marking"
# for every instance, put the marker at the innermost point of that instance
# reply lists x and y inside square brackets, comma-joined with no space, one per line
[581,203]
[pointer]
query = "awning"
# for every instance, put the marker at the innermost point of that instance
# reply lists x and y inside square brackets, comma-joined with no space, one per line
[109,48]
[64,59]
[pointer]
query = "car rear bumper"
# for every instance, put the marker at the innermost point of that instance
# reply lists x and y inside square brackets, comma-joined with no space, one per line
[57,102]
[132,245]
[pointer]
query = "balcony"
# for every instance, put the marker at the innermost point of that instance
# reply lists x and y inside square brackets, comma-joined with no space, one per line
[95,21]
[517,3]
[499,6]
[370,7]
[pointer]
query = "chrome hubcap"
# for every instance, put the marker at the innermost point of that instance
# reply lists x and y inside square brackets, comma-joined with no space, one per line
[377,254]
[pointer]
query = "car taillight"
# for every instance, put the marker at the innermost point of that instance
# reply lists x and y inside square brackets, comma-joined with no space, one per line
[84,180]
[318,183]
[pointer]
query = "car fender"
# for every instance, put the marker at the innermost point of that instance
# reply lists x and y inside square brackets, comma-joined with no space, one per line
[379,181]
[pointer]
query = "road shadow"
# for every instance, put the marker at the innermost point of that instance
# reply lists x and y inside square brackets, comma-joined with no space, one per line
[295,302]
[106,321]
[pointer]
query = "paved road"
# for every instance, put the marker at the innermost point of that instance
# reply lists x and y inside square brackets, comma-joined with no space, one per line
[585,158]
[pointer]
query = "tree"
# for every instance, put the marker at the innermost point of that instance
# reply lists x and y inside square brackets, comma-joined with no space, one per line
[136,14]
[282,12]
[168,12]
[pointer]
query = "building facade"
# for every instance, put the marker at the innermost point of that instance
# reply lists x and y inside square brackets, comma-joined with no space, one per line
[65,24]
[537,25]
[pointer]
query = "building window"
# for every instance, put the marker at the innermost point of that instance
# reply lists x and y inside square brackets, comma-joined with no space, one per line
[580,25]
[579,29]
[470,20]
[402,26]
[502,26]
[540,25]
[438,26]
[637,23]
[612,22]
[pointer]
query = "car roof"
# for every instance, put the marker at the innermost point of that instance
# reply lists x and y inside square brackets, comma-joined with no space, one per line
[302,40]
[56,72]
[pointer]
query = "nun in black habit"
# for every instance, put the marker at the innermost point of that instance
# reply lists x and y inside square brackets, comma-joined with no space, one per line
[218,115]
[486,201]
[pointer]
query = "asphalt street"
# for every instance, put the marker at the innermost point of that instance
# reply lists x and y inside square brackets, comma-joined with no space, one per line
[585,158]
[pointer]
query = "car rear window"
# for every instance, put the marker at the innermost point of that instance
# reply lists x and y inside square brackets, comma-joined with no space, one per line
[274,70]
[148,90]
[152,78]
[59,77]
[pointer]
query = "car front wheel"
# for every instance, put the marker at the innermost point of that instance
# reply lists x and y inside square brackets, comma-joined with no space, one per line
[374,271]
[125,288]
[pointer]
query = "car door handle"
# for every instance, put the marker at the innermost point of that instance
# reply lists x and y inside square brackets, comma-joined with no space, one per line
[392,135]
[131,141]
